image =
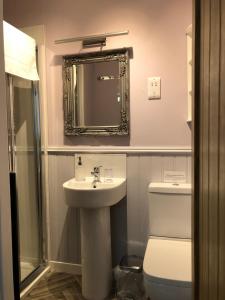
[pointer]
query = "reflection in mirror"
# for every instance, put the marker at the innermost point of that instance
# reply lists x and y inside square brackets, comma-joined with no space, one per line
[96,93]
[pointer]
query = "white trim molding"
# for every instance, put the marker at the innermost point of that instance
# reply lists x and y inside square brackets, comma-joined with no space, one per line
[56,266]
[117,149]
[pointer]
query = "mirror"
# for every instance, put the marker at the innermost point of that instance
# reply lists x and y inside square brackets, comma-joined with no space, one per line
[96,93]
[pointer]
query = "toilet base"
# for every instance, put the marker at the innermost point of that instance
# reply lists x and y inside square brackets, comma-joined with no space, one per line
[156,291]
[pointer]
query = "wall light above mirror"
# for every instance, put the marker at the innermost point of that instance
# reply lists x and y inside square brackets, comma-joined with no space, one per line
[96,93]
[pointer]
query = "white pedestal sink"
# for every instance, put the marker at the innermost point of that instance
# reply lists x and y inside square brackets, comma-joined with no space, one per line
[95,231]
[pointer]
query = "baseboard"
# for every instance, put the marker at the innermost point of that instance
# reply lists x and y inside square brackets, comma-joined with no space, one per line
[24,293]
[31,260]
[56,266]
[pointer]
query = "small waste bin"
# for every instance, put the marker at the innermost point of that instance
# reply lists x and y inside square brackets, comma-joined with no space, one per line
[129,278]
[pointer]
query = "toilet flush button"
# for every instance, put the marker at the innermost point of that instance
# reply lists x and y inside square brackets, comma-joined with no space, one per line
[154,88]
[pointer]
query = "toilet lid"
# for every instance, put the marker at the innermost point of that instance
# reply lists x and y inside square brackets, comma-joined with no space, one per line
[168,261]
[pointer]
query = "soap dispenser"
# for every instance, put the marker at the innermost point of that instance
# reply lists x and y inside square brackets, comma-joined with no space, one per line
[79,170]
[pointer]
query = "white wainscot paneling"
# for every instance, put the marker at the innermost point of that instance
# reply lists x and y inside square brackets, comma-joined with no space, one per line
[141,170]
[189,169]
[135,246]
[64,221]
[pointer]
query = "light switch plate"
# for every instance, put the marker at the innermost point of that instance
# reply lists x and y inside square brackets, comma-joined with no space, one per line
[154,88]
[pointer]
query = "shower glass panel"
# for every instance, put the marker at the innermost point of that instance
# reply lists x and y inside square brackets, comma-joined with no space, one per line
[24,152]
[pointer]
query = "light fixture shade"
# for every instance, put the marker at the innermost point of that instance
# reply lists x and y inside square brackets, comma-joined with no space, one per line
[20,53]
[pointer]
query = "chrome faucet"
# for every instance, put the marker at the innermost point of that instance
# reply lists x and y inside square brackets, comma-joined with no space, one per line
[96,174]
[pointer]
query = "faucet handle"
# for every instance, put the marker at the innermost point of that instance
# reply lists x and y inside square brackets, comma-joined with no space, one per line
[97,169]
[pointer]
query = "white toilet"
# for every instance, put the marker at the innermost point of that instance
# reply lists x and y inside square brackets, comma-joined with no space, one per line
[167,261]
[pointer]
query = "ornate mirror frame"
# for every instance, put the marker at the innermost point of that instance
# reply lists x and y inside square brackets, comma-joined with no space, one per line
[120,55]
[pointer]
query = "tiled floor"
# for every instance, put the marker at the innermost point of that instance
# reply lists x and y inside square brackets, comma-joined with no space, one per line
[60,286]
[57,286]
[25,269]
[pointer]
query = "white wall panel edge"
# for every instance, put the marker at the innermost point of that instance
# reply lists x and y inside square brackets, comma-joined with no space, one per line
[113,149]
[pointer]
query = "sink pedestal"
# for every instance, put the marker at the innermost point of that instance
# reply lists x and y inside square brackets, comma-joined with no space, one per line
[94,204]
[96,253]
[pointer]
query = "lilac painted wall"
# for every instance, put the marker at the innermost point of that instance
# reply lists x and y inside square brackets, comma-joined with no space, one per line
[157,35]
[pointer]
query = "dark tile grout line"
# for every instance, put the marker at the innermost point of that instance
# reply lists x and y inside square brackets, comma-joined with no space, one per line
[58,286]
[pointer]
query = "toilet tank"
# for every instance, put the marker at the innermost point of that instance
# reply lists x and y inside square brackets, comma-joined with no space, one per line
[170,210]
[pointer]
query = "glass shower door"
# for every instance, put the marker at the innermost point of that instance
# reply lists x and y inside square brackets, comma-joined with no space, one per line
[24,152]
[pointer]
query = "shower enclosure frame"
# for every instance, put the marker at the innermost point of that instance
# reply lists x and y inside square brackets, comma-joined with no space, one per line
[21,285]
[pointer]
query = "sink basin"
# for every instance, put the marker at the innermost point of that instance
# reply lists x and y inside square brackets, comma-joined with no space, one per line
[82,194]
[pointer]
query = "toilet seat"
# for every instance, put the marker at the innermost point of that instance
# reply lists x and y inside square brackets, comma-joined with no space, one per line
[168,262]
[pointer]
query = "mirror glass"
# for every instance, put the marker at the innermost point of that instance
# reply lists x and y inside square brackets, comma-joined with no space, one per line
[96,93]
